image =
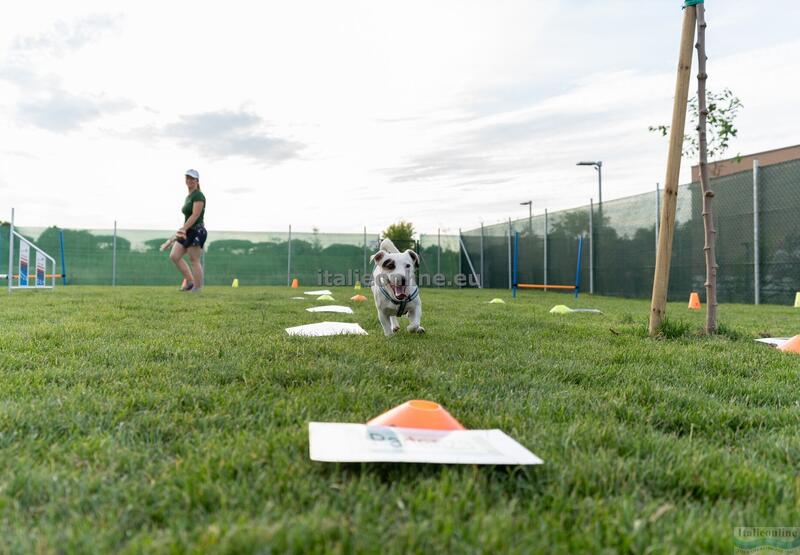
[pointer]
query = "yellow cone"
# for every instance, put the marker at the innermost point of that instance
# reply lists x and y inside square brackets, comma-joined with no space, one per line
[357,286]
[797,300]
[560,309]
[497,301]
[235,283]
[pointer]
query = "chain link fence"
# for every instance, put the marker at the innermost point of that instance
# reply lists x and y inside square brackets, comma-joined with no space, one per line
[617,258]
[756,206]
[132,257]
[439,260]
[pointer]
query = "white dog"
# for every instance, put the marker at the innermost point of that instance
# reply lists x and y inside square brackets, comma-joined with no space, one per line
[395,291]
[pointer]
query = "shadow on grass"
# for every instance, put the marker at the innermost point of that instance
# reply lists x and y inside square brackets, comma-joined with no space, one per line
[511,479]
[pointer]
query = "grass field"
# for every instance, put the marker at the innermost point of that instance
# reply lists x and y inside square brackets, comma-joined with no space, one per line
[146,420]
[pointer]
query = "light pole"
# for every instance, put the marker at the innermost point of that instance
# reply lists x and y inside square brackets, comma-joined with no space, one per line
[529,204]
[598,165]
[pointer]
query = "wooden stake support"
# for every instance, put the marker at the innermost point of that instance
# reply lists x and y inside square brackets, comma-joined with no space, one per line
[658,306]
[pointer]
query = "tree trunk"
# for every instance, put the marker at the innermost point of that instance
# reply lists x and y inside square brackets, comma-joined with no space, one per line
[707,194]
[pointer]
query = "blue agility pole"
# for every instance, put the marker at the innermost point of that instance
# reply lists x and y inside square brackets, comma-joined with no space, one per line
[63,264]
[578,269]
[516,265]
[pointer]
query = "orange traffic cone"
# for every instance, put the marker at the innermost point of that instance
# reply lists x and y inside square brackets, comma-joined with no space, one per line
[418,414]
[694,301]
[295,283]
[791,346]
[358,298]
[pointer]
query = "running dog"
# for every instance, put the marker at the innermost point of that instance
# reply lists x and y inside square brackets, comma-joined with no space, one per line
[394,289]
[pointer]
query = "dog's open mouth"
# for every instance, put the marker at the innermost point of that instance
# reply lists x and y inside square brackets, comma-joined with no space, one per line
[400,291]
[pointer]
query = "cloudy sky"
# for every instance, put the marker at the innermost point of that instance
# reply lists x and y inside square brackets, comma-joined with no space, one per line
[344,114]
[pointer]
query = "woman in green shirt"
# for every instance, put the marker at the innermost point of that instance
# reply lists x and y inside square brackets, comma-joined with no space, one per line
[192,235]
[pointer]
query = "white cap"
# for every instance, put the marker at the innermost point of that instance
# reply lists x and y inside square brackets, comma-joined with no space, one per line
[193,173]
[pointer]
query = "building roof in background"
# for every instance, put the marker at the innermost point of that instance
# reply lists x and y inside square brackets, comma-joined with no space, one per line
[745,163]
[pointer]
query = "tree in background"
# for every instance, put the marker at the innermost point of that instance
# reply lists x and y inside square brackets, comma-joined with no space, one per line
[722,110]
[401,234]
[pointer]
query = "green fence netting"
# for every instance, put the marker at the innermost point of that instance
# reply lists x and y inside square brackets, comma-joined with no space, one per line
[252,258]
[439,257]
[325,259]
[623,234]
[622,239]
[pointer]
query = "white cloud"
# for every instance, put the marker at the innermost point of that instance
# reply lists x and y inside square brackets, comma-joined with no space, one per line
[65,36]
[228,133]
[446,113]
[62,112]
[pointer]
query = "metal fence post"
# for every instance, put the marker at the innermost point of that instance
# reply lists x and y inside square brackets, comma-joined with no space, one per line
[460,272]
[481,278]
[114,257]
[63,260]
[545,246]
[289,264]
[438,254]
[509,254]
[365,255]
[591,246]
[11,253]
[473,273]
[756,238]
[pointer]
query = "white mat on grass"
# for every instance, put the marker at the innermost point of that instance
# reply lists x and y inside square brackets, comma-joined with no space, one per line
[317,293]
[774,341]
[331,308]
[322,329]
[335,442]
[299,298]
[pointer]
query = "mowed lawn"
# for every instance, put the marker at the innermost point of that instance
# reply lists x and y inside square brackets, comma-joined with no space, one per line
[146,420]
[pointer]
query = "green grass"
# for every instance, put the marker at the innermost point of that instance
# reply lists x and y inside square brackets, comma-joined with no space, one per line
[145,420]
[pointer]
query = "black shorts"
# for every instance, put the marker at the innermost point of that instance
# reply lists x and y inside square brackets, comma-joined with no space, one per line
[195,237]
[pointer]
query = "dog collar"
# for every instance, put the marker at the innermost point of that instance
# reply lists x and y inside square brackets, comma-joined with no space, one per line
[401,305]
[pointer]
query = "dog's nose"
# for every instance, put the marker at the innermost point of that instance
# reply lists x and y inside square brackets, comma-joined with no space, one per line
[402,280]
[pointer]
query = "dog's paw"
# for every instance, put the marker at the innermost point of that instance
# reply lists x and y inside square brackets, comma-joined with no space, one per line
[395,329]
[415,329]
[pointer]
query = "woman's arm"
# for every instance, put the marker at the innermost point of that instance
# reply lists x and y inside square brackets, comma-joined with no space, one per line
[197,208]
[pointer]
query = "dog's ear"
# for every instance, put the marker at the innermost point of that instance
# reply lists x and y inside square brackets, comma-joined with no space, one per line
[377,257]
[414,256]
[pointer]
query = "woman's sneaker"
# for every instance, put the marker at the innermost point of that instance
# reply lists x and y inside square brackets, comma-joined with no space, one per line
[187,287]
